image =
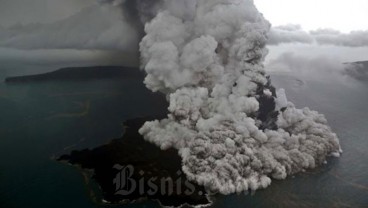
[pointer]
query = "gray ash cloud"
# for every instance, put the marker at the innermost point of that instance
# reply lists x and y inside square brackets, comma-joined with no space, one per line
[207,57]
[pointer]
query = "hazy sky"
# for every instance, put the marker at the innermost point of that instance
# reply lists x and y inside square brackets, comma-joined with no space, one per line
[343,15]
[23,11]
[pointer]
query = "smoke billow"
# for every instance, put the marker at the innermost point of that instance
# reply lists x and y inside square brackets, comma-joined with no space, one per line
[289,34]
[334,37]
[233,131]
[295,34]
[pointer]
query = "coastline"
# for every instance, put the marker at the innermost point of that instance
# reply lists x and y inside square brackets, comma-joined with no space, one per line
[133,150]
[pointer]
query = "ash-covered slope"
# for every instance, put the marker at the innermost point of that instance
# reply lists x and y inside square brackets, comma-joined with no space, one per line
[207,56]
[357,70]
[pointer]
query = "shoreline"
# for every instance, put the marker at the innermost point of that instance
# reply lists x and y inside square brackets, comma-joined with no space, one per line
[145,157]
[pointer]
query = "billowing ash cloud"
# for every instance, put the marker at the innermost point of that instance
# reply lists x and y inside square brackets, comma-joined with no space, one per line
[233,130]
[289,34]
[334,37]
[295,34]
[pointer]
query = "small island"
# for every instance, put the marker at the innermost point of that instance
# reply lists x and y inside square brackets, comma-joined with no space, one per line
[130,169]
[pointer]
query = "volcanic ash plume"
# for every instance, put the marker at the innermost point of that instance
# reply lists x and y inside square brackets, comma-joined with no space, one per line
[233,131]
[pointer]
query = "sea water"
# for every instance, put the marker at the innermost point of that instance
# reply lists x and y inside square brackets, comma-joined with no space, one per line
[39,121]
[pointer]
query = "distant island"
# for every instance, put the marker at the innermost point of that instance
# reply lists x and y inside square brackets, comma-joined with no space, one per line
[156,174]
[79,74]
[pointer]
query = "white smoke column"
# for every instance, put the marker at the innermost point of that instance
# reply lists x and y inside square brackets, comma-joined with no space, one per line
[207,56]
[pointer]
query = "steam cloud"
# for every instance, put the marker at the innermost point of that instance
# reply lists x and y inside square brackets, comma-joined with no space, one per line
[289,34]
[295,34]
[233,131]
[325,68]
